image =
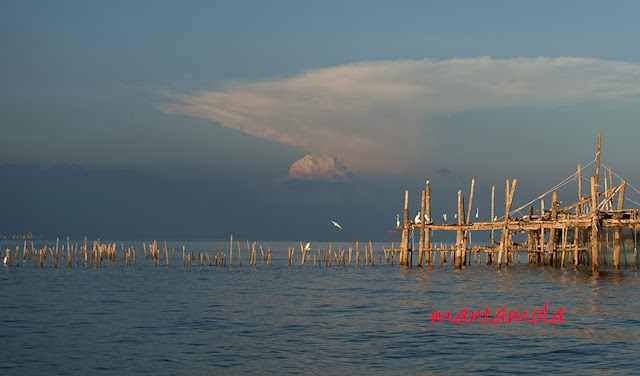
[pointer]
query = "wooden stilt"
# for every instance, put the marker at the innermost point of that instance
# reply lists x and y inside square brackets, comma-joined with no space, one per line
[404,246]
[594,224]
[427,233]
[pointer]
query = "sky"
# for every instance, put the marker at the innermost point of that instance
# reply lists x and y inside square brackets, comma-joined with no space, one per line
[199,119]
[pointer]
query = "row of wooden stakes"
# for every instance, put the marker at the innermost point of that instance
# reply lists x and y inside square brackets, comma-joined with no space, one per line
[94,256]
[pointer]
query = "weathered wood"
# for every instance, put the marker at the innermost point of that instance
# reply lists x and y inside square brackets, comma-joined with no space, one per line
[422,224]
[493,195]
[404,246]
[616,233]
[594,224]
[553,234]
[597,176]
[473,183]
[460,232]
[427,232]
[504,246]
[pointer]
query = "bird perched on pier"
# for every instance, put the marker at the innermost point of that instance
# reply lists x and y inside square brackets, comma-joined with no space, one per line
[455,216]
[307,247]
[427,219]
[7,258]
[427,182]
[397,220]
[336,224]
[417,220]
[495,219]
[444,216]
[477,212]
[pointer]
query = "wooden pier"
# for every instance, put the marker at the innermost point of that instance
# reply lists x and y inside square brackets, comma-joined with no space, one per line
[560,236]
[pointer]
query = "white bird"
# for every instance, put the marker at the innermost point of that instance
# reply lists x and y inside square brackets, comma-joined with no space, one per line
[397,220]
[427,182]
[336,224]
[307,247]
[7,258]
[495,219]
[417,220]
[477,212]
[444,216]
[427,219]
[455,216]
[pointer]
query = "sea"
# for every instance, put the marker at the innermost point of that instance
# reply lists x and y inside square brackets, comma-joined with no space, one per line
[244,319]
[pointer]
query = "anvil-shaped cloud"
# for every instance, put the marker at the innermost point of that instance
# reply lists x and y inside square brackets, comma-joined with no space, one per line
[376,117]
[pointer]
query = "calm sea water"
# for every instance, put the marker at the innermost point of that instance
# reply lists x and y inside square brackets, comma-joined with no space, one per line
[311,320]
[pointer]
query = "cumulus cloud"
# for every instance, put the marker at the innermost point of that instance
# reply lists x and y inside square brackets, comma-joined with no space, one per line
[377,116]
[318,167]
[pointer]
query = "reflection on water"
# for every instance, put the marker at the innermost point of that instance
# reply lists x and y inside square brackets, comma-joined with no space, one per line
[312,320]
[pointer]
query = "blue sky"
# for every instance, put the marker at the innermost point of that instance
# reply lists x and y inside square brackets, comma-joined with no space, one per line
[195,111]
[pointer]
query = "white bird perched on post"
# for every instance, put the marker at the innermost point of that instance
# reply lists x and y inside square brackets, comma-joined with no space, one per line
[7,258]
[427,182]
[417,220]
[495,219]
[455,216]
[426,219]
[397,220]
[444,216]
[336,224]
[307,247]
[477,212]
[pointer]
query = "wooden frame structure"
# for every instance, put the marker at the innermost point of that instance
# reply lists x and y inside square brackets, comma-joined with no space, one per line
[571,232]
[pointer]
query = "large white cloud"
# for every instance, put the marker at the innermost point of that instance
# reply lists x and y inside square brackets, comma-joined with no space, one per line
[318,167]
[375,116]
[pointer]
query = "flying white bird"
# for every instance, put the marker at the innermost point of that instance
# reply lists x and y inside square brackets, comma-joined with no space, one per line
[336,224]
[397,220]
[307,247]
[416,220]
[444,216]
[477,212]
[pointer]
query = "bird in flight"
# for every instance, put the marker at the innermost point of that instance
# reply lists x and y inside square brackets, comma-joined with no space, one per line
[336,224]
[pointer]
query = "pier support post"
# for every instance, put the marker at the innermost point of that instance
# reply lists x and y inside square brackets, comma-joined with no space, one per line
[594,225]
[553,233]
[427,234]
[422,224]
[460,232]
[616,234]
[505,238]
[404,245]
